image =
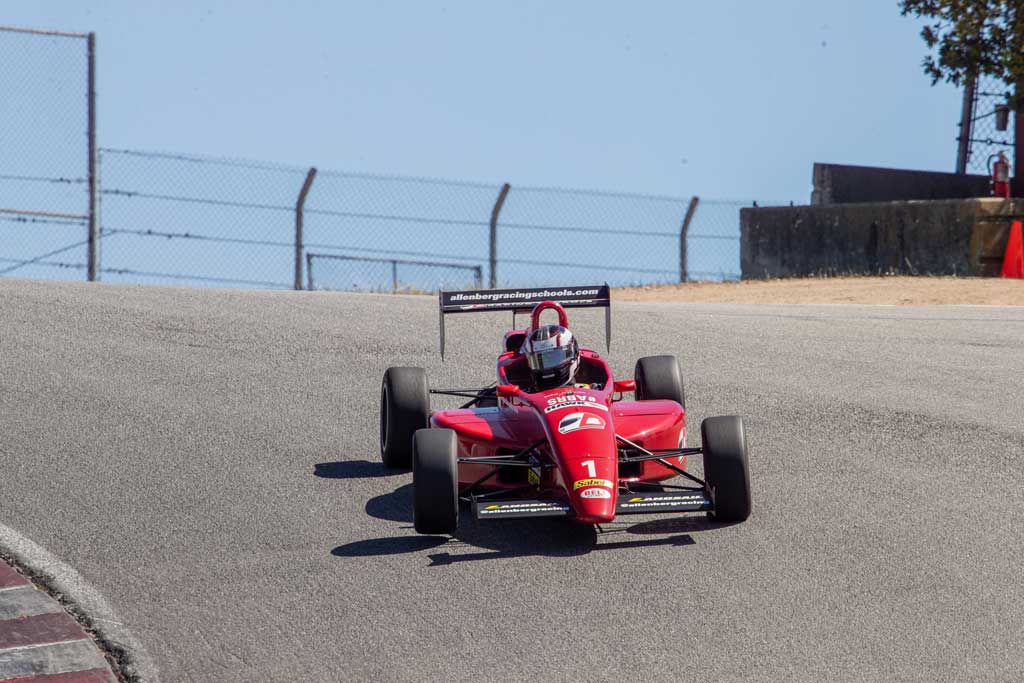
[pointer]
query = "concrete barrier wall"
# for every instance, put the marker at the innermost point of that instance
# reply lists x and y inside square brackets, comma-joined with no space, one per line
[948,237]
[841,184]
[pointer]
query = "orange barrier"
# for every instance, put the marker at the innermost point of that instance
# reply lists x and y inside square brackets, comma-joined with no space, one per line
[1013,261]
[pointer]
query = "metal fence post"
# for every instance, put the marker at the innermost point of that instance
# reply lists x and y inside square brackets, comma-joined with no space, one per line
[683,232]
[1018,139]
[93,237]
[495,212]
[963,151]
[299,205]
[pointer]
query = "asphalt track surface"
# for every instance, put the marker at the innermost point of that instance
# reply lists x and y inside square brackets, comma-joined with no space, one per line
[207,461]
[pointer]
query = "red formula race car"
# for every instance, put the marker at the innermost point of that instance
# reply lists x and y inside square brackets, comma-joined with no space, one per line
[556,435]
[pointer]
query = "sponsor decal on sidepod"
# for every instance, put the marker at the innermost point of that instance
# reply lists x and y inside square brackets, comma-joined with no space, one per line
[595,493]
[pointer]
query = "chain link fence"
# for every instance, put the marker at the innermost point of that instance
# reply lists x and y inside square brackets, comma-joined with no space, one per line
[365,274]
[171,218]
[44,153]
[179,219]
[986,140]
[184,219]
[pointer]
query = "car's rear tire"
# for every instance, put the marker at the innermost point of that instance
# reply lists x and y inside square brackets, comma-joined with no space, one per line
[404,408]
[435,481]
[726,470]
[659,378]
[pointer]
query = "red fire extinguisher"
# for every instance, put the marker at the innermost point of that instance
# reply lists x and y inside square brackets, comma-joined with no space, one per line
[1001,176]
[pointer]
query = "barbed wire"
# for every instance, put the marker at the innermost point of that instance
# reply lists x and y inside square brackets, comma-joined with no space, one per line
[631,255]
[57,264]
[9,218]
[343,247]
[290,168]
[640,272]
[31,261]
[42,179]
[142,273]
[200,159]
[270,284]
[408,218]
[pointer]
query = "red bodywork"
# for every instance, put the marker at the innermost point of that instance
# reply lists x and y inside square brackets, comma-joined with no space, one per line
[578,427]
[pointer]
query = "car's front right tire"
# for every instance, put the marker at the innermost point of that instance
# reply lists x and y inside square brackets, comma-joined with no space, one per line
[435,481]
[726,470]
[659,378]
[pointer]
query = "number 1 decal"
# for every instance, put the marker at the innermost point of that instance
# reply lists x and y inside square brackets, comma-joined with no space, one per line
[591,470]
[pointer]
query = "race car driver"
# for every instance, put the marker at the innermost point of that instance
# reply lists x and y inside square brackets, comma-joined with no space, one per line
[553,356]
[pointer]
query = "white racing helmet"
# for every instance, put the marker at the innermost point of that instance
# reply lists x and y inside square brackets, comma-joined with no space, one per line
[553,356]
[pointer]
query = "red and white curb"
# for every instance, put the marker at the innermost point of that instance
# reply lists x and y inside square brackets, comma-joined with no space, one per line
[40,642]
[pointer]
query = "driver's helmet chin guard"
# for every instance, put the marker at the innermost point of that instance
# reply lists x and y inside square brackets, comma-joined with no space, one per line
[553,356]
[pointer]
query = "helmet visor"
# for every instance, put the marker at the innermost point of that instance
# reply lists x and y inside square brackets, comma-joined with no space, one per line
[549,359]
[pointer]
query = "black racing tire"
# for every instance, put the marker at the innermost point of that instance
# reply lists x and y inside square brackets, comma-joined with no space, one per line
[726,470]
[435,481]
[404,408]
[659,378]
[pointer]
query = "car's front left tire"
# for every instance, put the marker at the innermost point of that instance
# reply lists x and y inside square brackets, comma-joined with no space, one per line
[404,408]
[435,481]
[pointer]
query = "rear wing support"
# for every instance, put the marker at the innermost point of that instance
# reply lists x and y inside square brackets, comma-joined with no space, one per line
[523,301]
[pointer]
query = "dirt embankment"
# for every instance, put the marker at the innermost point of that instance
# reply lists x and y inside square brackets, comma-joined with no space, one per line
[893,290]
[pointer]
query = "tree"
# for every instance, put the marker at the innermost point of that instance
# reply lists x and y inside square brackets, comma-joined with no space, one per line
[971,38]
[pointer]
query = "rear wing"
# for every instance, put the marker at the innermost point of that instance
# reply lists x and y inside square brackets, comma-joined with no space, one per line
[523,301]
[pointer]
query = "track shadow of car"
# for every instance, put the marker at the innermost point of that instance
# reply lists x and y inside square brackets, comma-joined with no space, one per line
[537,537]
[504,540]
[516,537]
[353,469]
[395,506]
[675,525]
[499,539]
[395,545]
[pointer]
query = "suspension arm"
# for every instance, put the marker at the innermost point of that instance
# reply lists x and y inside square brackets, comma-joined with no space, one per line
[660,456]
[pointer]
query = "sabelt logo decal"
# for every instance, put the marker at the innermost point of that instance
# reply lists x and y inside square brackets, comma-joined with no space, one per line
[584,483]
[595,493]
[570,423]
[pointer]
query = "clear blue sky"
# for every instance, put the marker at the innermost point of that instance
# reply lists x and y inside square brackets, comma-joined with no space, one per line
[724,99]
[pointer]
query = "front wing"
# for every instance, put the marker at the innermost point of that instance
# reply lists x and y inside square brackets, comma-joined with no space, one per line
[629,504]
